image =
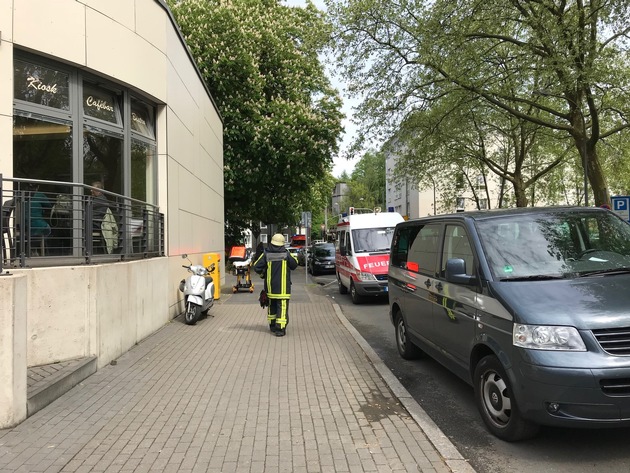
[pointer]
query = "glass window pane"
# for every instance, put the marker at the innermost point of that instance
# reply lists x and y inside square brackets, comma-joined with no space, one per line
[142,118]
[42,149]
[101,104]
[143,171]
[424,249]
[41,85]
[102,159]
[457,245]
[372,239]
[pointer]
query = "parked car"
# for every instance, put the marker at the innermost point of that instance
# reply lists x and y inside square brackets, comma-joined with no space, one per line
[530,306]
[293,250]
[301,255]
[321,259]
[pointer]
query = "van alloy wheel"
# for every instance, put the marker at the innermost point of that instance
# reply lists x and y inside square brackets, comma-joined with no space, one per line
[406,349]
[496,403]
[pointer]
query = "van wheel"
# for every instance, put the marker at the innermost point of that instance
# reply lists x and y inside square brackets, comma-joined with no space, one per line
[356,298]
[342,288]
[406,349]
[496,403]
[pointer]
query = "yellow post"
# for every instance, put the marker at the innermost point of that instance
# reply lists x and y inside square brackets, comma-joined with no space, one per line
[215,258]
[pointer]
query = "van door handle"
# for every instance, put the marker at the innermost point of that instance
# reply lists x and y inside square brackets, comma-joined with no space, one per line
[439,286]
[427,283]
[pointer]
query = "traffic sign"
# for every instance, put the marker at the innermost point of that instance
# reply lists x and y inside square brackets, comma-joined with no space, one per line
[621,206]
[306,219]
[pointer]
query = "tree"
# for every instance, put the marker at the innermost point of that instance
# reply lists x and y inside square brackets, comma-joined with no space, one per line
[562,65]
[370,172]
[282,119]
[461,135]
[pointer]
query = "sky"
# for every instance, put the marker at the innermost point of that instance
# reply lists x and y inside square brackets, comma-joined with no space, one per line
[339,164]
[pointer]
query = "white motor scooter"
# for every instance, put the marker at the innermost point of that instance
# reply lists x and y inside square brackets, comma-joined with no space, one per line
[198,289]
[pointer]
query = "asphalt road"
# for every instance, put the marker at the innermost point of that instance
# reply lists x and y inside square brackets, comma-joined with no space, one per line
[449,402]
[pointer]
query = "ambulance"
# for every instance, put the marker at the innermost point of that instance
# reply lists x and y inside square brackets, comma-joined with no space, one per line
[362,252]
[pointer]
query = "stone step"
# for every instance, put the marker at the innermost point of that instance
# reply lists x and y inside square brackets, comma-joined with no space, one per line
[47,383]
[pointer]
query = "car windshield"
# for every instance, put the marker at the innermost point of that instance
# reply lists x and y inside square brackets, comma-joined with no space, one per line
[371,240]
[558,244]
[324,250]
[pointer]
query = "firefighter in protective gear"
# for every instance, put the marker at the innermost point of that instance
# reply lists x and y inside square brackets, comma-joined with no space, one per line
[275,265]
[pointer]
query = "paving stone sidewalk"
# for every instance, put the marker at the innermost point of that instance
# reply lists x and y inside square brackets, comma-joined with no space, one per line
[227,396]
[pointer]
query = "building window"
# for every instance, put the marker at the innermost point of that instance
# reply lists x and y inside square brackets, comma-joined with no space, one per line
[102,158]
[263,238]
[41,85]
[143,171]
[459,181]
[42,148]
[68,128]
[481,181]
[483,204]
[142,118]
[101,104]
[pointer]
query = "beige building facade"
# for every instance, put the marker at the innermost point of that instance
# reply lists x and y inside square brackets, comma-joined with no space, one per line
[78,77]
[404,195]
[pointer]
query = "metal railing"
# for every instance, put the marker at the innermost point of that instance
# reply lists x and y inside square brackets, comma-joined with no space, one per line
[71,226]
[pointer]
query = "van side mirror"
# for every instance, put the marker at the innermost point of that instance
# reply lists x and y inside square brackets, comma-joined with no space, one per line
[456,272]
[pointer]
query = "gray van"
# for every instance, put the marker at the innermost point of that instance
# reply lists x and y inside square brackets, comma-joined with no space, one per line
[531,306]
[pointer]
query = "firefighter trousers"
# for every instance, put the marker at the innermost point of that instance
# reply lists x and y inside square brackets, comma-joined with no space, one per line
[278,313]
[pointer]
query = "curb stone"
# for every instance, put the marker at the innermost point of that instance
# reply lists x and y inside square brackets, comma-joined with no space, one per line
[455,461]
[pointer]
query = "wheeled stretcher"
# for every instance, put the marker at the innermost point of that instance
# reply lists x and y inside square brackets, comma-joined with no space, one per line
[240,257]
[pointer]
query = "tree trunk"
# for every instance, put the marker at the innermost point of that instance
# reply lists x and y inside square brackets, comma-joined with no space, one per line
[520,191]
[596,175]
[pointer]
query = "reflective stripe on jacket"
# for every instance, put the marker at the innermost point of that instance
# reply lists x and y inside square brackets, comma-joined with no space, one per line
[276,264]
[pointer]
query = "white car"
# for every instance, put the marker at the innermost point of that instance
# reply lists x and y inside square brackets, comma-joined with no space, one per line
[293,250]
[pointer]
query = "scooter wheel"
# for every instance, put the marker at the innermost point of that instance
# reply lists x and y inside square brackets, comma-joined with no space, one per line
[251,289]
[193,311]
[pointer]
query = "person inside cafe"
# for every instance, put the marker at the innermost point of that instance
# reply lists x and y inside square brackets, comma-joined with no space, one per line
[104,226]
[38,227]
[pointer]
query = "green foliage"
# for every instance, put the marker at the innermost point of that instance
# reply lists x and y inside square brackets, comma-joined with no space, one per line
[370,173]
[366,183]
[560,66]
[282,119]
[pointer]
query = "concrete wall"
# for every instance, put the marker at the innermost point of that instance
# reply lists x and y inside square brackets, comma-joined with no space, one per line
[100,310]
[12,350]
[55,314]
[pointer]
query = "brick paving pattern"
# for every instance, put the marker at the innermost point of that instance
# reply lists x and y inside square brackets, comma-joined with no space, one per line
[227,396]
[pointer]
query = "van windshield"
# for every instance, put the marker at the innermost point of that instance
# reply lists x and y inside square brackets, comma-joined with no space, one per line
[552,244]
[372,240]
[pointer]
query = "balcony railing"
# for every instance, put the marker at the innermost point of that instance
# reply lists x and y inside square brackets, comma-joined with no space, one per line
[74,227]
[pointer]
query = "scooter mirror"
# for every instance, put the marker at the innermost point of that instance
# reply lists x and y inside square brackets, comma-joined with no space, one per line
[184,256]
